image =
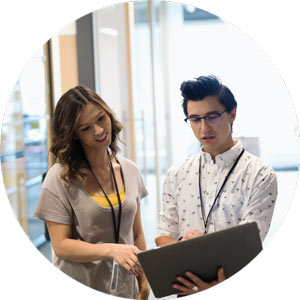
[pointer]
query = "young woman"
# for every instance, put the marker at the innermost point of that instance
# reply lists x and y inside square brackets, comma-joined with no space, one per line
[90,199]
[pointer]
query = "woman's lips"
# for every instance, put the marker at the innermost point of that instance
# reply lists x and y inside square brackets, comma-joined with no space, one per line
[102,139]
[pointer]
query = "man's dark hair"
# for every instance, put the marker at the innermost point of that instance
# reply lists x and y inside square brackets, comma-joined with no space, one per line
[203,86]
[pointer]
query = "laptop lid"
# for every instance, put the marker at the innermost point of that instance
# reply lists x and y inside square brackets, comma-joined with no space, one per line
[231,248]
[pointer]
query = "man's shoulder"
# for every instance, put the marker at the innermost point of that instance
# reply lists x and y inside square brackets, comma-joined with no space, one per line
[184,164]
[257,163]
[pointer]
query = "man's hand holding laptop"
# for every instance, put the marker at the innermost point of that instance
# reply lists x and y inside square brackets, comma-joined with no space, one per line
[195,284]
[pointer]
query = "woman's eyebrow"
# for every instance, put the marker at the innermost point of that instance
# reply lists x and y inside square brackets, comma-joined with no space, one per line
[96,117]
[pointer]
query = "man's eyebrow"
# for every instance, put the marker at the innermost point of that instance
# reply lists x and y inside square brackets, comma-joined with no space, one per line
[208,113]
[97,116]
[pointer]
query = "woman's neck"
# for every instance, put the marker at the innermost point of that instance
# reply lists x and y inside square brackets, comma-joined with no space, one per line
[98,159]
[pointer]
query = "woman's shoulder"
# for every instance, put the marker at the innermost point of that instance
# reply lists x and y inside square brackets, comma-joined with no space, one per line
[127,163]
[53,176]
[55,170]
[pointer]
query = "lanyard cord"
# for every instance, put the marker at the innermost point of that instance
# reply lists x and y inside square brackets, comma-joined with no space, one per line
[116,227]
[200,191]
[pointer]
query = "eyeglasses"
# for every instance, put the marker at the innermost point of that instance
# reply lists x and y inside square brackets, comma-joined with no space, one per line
[212,118]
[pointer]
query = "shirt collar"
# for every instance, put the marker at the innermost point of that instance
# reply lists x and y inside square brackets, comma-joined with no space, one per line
[226,158]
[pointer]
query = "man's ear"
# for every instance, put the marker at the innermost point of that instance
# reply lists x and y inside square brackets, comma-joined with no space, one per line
[232,115]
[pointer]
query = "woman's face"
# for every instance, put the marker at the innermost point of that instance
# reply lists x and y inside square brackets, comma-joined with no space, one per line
[93,127]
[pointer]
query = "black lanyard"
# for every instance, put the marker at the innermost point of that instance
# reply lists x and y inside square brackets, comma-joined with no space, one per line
[116,226]
[200,191]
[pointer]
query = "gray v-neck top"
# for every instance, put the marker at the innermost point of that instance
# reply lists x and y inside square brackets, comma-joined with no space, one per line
[71,204]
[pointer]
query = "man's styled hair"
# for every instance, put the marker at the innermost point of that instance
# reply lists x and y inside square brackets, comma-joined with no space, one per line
[203,86]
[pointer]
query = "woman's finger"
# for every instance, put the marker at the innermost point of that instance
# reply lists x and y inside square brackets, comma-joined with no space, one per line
[136,269]
[136,264]
[129,268]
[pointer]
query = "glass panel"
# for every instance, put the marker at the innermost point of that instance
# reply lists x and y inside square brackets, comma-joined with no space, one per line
[203,44]
[12,158]
[24,146]
[33,94]
[194,43]
[13,170]
[148,100]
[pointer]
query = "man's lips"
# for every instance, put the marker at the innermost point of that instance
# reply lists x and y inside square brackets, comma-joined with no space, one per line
[208,138]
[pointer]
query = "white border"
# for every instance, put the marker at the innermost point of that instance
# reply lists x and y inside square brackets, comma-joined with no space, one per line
[26,25]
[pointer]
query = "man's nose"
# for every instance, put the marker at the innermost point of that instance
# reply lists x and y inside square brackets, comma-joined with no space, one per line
[204,126]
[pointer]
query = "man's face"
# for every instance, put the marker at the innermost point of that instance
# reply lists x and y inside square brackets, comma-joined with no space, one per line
[213,134]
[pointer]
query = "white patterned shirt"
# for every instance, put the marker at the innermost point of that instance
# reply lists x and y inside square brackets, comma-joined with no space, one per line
[249,194]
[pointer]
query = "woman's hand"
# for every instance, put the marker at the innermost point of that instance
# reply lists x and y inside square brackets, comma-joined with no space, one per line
[125,255]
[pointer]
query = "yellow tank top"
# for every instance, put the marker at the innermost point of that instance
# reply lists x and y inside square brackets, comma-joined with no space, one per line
[102,201]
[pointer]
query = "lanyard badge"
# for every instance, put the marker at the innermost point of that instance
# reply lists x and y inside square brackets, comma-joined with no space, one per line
[115,265]
[114,278]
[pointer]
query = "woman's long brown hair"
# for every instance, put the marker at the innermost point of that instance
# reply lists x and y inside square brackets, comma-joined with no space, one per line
[66,147]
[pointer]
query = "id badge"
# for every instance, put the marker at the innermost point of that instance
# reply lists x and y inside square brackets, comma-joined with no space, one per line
[114,278]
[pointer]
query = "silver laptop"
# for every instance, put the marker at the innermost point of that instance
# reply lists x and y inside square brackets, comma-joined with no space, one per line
[232,248]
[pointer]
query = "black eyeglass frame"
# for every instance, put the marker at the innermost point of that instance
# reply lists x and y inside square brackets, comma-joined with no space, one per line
[219,114]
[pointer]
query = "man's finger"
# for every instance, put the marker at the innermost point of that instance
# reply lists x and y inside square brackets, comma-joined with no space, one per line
[198,281]
[221,275]
[180,287]
[186,282]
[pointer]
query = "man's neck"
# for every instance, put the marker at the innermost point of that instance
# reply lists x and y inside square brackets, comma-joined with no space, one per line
[226,147]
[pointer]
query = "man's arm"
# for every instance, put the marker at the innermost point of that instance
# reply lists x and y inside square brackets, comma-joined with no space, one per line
[164,240]
[168,223]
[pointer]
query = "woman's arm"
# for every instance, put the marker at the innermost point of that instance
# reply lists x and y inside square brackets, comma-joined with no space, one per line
[139,242]
[79,251]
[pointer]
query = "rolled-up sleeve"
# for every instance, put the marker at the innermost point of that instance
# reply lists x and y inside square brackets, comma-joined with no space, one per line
[260,206]
[142,191]
[52,208]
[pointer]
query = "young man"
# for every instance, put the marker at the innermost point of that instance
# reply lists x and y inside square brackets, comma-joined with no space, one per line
[220,187]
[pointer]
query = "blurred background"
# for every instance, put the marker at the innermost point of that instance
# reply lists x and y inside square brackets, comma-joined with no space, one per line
[135,55]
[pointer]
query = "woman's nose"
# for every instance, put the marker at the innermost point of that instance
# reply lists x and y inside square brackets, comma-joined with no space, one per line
[98,129]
